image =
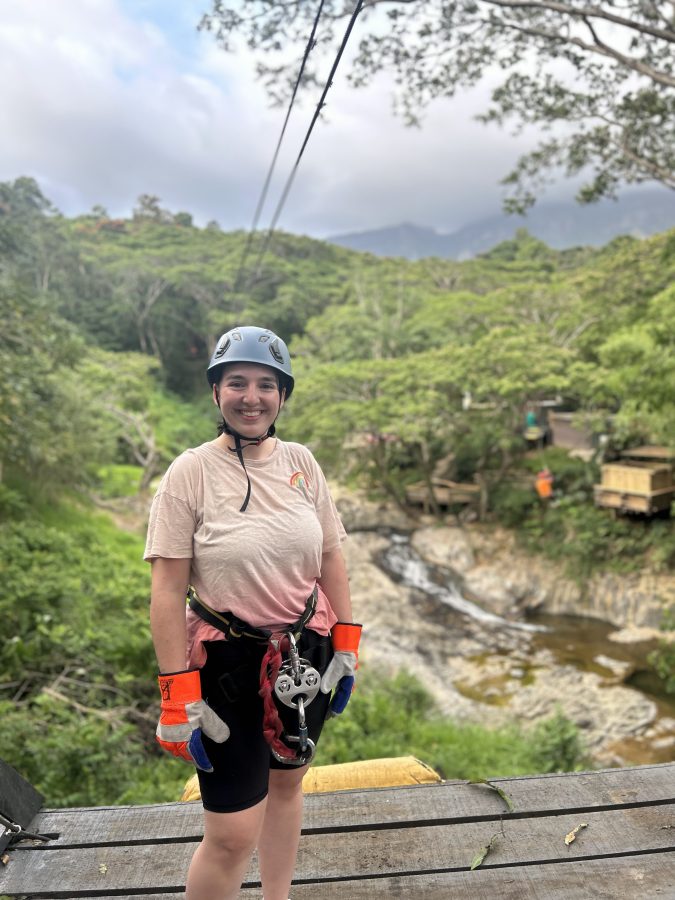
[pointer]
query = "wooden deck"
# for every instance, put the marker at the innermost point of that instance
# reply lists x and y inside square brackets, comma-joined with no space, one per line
[413,842]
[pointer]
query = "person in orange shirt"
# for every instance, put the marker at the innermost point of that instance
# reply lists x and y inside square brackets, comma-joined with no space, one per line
[544,484]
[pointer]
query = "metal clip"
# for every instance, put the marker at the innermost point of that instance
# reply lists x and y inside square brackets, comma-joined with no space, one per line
[303,759]
[18,833]
[297,685]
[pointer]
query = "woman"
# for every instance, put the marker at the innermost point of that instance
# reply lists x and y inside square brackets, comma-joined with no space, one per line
[246,523]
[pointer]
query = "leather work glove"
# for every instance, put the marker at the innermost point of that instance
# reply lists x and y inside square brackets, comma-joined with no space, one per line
[184,716]
[343,665]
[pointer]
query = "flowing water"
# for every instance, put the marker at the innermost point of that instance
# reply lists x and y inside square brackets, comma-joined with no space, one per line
[572,641]
[401,561]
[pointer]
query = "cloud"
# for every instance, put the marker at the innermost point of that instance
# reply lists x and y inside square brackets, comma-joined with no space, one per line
[106,99]
[100,107]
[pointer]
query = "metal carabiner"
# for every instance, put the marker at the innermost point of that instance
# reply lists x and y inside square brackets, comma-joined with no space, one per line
[297,684]
[298,760]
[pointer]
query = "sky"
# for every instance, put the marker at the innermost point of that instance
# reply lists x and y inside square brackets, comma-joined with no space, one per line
[103,100]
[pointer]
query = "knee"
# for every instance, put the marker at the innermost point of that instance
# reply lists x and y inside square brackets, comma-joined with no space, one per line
[286,786]
[231,845]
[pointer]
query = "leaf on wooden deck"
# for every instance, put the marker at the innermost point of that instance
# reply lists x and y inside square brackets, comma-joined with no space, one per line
[572,836]
[479,858]
[4,859]
[103,868]
[502,793]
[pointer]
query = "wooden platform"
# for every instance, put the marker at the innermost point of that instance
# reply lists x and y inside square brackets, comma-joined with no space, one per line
[413,842]
[446,493]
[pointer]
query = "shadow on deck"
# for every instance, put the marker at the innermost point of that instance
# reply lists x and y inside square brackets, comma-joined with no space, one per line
[414,842]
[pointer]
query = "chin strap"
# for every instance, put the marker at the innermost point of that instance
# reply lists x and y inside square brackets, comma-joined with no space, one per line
[240,442]
[238,449]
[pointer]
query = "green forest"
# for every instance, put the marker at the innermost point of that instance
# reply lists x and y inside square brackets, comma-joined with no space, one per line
[107,328]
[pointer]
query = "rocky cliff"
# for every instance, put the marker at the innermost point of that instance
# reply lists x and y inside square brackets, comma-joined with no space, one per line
[498,675]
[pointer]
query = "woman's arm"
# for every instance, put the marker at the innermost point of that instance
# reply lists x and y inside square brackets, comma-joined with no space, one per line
[170,578]
[335,584]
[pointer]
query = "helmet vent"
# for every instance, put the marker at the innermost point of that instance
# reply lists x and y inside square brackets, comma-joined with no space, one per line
[222,350]
[237,336]
[275,351]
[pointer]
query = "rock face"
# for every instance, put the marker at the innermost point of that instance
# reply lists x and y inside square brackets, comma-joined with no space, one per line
[497,675]
[503,579]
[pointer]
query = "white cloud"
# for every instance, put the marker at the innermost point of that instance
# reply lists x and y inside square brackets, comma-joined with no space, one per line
[105,99]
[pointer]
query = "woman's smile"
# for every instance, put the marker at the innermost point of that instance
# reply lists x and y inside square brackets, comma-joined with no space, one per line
[249,398]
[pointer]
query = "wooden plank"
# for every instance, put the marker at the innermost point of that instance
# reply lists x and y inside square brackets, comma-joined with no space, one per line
[647,877]
[352,855]
[384,807]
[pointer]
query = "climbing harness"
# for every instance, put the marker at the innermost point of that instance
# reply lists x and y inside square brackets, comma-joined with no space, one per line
[293,681]
[233,627]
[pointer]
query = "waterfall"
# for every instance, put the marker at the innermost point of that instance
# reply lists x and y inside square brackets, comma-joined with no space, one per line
[400,560]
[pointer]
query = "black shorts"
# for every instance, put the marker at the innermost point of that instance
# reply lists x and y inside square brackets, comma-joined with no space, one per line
[230,682]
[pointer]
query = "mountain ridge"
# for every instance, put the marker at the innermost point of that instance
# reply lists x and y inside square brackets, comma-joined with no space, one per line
[640,213]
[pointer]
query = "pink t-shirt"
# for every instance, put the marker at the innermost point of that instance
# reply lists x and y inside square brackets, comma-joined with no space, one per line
[262,564]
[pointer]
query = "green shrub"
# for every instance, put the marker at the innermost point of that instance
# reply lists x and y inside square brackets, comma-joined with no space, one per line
[119,480]
[397,717]
[663,658]
[512,504]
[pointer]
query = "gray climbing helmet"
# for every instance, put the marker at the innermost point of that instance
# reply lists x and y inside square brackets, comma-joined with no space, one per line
[251,344]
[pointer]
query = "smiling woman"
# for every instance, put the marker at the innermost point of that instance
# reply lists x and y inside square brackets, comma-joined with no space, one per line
[264,578]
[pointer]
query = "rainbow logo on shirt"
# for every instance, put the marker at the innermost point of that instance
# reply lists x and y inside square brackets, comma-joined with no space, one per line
[299,480]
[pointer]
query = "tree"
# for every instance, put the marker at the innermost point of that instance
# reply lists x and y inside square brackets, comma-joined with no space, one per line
[184,219]
[599,77]
[32,239]
[50,423]
[148,208]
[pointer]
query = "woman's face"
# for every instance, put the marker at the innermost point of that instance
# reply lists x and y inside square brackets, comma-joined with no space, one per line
[249,398]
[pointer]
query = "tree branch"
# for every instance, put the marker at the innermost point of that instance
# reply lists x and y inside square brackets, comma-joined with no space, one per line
[658,172]
[602,49]
[587,12]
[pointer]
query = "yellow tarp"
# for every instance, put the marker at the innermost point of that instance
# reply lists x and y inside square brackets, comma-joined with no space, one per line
[390,772]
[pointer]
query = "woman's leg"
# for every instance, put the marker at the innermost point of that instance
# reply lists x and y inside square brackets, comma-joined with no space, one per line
[220,862]
[280,835]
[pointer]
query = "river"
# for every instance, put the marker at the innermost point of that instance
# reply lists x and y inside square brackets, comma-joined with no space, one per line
[524,668]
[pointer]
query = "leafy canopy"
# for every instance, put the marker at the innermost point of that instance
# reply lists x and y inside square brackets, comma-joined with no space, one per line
[598,78]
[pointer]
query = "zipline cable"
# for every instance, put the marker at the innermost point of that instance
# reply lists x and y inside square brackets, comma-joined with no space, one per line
[311,43]
[319,107]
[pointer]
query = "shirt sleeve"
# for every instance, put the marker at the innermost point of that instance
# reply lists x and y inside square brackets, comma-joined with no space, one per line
[333,530]
[173,514]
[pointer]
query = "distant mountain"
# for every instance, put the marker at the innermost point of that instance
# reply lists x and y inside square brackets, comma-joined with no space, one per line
[560,225]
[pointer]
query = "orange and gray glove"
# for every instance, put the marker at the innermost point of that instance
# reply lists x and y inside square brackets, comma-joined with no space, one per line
[341,670]
[185,716]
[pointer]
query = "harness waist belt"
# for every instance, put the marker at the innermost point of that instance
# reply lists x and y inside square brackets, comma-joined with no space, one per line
[233,627]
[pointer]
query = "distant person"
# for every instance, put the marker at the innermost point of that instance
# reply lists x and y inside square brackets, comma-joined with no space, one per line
[245,526]
[543,484]
[533,433]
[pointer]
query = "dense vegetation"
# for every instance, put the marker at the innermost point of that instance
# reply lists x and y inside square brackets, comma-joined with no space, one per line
[107,325]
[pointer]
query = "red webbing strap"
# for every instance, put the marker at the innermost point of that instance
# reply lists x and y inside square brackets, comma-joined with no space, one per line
[269,669]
